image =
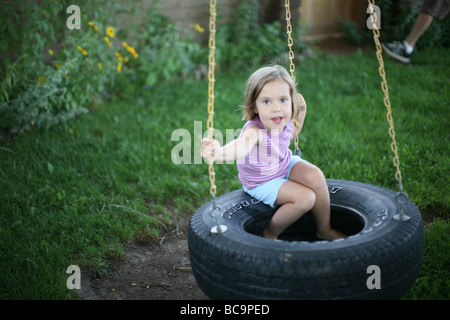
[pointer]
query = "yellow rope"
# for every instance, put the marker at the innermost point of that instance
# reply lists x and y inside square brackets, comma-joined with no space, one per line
[387,102]
[291,65]
[290,41]
[211,96]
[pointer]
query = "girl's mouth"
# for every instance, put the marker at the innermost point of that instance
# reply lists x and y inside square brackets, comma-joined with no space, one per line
[277,120]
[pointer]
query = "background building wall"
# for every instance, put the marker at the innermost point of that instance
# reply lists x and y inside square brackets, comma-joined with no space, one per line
[318,16]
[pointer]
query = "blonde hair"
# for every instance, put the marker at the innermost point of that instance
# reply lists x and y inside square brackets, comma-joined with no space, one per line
[256,83]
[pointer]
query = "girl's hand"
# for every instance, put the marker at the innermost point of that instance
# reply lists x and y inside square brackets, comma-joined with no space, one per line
[210,148]
[236,149]
[300,116]
[302,107]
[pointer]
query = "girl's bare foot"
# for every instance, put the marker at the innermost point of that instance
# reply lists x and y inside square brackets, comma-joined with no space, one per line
[330,234]
[267,235]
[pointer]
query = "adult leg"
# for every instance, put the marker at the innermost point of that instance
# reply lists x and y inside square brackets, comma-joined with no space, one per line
[430,9]
[422,23]
[402,50]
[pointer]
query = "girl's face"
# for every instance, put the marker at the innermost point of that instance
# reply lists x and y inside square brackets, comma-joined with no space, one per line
[274,105]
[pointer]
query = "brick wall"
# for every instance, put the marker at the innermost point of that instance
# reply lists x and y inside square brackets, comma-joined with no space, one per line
[189,12]
[319,16]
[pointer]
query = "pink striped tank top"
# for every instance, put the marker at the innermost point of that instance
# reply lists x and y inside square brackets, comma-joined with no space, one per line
[268,160]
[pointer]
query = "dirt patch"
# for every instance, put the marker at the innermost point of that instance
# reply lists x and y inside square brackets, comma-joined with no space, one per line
[156,270]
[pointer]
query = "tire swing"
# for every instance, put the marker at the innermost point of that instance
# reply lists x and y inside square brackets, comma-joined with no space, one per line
[380,259]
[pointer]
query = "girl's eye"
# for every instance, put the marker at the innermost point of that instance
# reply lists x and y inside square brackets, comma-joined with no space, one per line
[284,99]
[266,101]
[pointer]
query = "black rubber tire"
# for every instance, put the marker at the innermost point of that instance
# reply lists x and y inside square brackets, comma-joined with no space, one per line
[238,264]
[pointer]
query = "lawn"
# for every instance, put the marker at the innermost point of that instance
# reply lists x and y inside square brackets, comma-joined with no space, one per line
[74,194]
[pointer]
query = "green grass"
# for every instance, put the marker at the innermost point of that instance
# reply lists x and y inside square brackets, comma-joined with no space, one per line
[75,193]
[433,282]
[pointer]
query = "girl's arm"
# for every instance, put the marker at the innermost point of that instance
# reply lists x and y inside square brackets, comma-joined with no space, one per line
[236,149]
[300,117]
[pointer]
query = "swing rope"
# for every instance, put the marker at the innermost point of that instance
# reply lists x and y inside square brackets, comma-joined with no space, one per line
[211,96]
[290,41]
[291,66]
[401,197]
[215,211]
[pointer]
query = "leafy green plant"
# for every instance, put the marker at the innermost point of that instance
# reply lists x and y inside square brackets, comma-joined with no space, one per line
[56,73]
[244,42]
[43,103]
[353,34]
[166,52]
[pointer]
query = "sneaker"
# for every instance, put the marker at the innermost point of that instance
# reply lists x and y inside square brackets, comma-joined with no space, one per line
[397,50]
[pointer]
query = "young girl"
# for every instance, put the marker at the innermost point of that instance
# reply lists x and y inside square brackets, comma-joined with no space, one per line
[267,169]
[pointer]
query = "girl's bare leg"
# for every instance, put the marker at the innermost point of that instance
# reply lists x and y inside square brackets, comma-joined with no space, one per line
[312,177]
[295,201]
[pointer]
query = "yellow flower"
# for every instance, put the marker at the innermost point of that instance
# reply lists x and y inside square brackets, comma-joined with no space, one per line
[50,52]
[110,32]
[93,25]
[199,28]
[107,41]
[57,65]
[119,67]
[127,59]
[42,79]
[119,56]
[130,49]
[100,66]
[82,50]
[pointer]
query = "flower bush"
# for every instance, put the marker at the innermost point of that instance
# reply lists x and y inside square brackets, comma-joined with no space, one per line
[167,52]
[53,74]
